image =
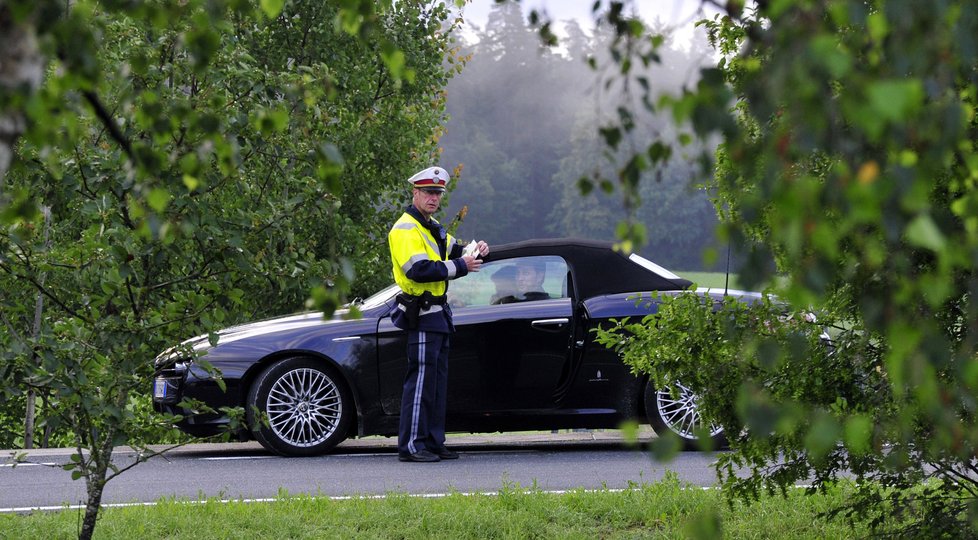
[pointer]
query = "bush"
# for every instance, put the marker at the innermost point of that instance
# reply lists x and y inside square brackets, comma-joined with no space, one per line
[800,408]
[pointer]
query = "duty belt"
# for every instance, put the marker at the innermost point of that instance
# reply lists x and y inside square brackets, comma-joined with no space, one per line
[412,306]
[425,299]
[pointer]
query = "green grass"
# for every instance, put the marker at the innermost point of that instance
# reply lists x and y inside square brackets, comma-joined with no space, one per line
[711,279]
[661,510]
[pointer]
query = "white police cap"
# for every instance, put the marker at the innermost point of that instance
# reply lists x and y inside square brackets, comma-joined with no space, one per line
[430,178]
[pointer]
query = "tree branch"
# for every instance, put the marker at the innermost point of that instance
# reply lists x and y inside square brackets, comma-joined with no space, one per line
[103,115]
[43,290]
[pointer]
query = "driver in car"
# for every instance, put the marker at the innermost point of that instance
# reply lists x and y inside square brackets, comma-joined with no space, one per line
[522,282]
[529,281]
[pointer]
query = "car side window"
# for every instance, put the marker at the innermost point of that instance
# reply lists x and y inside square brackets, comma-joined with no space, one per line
[521,279]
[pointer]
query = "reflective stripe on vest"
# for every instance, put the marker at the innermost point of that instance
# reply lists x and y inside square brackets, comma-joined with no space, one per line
[411,242]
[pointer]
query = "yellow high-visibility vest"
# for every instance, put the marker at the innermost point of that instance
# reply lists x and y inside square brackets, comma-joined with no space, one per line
[411,242]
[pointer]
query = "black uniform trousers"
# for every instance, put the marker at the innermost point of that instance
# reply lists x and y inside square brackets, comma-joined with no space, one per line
[424,400]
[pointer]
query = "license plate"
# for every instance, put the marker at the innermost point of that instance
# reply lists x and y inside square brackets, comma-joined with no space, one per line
[159,388]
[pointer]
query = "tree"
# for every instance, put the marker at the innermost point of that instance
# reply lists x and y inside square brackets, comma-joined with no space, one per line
[192,157]
[848,160]
[503,133]
[677,214]
[522,121]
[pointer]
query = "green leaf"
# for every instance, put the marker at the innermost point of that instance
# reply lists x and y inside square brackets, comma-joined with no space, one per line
[705,522]
[20,207]
[829,53]
[878,26]
[612,136]
[329,166]
[666,447]
[158,199]
[659,152]
[895,100]
[922,232]
[271,120]
[394,59]
[858,432]
[272,8]
[585,185]
[822,436]
[190,182]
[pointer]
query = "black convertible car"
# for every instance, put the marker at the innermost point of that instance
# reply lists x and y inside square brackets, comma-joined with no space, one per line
[520,359]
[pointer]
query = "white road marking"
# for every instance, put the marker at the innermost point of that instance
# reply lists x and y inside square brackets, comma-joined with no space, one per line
[230,458]
[24,509]
[274,499]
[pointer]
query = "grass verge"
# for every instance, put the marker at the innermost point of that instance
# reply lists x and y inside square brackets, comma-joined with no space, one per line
[715,280]
[664,509]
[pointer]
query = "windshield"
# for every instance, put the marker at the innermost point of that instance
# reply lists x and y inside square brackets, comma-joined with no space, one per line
[379,298]
[651,266]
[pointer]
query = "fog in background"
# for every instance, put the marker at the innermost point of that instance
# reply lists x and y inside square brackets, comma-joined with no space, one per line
[523,128]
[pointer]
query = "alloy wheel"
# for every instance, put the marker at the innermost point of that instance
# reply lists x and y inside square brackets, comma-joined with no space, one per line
[304,407]
[679,410]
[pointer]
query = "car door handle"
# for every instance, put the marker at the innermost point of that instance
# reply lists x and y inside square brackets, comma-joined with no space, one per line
[549,324]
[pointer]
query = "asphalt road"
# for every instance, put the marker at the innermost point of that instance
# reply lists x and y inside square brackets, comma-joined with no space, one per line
[366,467]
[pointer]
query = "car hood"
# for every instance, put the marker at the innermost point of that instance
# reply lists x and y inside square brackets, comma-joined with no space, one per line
[202,343]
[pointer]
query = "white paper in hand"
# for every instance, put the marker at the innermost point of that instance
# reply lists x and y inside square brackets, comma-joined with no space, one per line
[472,250]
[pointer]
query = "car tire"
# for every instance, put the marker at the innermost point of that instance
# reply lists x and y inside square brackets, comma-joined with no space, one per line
[677,412]
[305,407]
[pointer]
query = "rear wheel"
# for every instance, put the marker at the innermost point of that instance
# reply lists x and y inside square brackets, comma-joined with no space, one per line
[306,405]
[676,410]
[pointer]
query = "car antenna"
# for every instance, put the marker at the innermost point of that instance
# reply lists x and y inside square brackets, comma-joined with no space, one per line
[726,277]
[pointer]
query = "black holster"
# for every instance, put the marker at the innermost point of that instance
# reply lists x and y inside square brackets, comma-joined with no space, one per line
[414,304]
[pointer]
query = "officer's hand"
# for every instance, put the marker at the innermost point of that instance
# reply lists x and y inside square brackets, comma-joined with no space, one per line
[472,263]
[483,248]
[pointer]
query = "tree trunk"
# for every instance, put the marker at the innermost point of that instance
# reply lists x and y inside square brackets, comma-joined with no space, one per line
[29,420]
[29,416]
[96,469]
[94,488]
[21,70]
[46,437]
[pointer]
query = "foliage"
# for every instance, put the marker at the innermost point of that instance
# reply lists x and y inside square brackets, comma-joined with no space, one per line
[849,160]
[182,168]
[347,102]
[665,509]
[796,405]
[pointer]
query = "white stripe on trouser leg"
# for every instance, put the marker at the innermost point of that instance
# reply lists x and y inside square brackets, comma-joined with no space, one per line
[419,386]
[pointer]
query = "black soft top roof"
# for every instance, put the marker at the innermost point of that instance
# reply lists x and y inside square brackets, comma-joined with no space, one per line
[595,266]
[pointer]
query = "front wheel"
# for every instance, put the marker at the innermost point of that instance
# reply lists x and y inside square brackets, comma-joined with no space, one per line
[676,410]
[304,408]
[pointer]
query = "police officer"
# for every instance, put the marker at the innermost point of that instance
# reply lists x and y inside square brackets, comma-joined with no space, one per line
[425,257]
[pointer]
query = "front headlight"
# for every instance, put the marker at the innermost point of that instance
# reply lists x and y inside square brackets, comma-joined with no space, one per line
[191,348]
[166,358]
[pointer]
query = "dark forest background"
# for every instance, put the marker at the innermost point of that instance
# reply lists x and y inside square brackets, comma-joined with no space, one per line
[523,130]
